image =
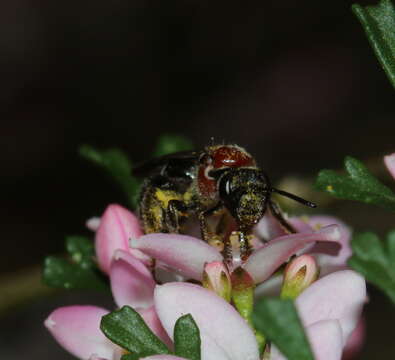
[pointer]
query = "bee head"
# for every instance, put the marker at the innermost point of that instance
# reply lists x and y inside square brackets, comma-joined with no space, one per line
[245,193]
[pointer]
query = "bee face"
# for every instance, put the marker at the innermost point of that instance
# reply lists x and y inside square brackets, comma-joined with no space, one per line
[244,193]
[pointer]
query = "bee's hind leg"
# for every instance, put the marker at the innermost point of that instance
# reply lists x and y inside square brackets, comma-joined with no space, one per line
[175,209]
[276,212]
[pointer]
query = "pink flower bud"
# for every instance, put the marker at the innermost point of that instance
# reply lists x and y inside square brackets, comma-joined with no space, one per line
[298,275]
[216,278]
[117,226]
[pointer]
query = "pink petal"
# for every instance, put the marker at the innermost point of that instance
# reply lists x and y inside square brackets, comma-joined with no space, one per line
[325,339]
[224,333]
[265,261]
[117,225]
[269,228]
[185,254]
[355,341]
[330,263]
[77,329]
[151,319]
[163,357]
[337,296]
[95,357]
[389,162]
[131,282]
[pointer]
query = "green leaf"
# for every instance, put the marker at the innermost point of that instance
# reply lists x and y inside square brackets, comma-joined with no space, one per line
[187,338]
[375,260]
[60,273]
[82,251]
[359,184]
[391,245]
[126,328]
[131,357]
[278,320]
[379,23]
[168,144]
[116,163]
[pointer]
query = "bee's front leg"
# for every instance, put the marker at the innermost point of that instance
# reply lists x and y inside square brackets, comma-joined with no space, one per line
[276,212]
[207,235]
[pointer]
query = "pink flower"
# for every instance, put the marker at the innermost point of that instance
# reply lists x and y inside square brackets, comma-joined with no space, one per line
[329,309]
[113,231]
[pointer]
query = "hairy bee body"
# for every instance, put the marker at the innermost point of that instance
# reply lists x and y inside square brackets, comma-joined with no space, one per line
[220,180]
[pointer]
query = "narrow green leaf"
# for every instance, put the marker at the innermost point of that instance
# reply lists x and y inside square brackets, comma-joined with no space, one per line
[82,251]
[379,23]
[116,163]
[187,338]
[131,357]
[391,246]
[375,261]
[60,273]
[126,328]
[359,184]
[278,320]
[168,144]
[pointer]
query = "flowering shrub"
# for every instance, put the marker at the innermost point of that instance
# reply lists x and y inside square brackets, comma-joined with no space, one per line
[178,298]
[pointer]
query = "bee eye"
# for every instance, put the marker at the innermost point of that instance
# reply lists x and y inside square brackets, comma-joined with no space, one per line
[227,187]
[206,159]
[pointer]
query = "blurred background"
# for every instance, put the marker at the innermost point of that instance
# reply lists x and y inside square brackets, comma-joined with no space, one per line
[296,83]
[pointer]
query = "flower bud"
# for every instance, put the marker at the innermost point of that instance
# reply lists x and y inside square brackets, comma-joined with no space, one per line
[300,273]
[243,293]
[116,226]
[216,278]
[243,299]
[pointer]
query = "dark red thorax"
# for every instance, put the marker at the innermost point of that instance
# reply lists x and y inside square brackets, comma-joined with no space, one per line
[223,156]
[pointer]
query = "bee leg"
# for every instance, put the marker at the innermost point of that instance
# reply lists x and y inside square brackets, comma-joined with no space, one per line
[172,215]
[275,210]
[223,224]
[245,248]
[204,228]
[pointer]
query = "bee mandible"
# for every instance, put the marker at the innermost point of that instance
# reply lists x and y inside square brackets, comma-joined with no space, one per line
[217,180]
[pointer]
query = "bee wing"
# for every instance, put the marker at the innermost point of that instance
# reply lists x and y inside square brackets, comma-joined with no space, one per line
[155,165]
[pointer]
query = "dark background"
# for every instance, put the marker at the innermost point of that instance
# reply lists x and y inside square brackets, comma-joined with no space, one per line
[296,83]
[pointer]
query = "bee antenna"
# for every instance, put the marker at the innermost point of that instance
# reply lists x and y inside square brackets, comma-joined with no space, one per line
[294,197]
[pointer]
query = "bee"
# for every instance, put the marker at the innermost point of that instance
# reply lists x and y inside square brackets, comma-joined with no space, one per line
[220,180]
